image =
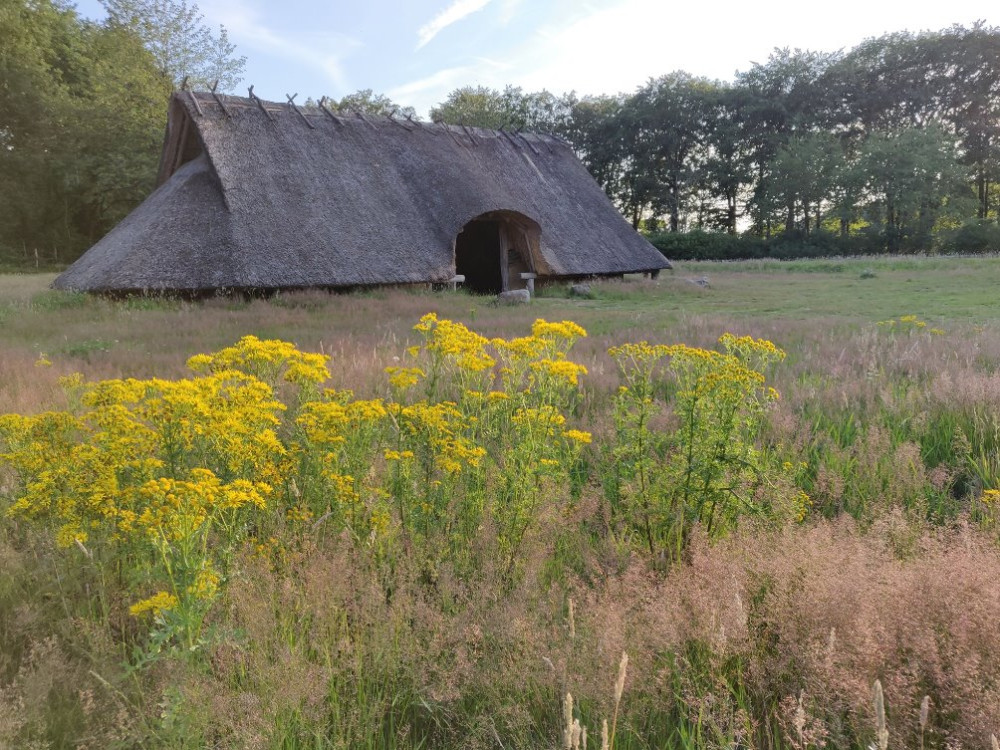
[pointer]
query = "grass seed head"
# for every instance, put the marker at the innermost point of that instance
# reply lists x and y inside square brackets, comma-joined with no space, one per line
[882,732]
[568,721]
[620,682]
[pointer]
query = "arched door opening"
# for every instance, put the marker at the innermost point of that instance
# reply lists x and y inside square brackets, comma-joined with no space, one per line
[495,250]
[477,256]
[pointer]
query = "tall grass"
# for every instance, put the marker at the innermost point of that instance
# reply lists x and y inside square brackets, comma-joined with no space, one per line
[769,635]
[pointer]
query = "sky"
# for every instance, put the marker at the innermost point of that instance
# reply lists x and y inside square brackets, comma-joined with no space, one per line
[418,51]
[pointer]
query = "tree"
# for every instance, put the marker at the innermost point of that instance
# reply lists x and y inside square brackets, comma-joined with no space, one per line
[511,109]
[804,175]
[667,122]
[594,126]
[183,47]
[910,176]
[974,108]
[114,143]
[367,102]
[950,78]
[781,98]
[726,165]
[82,111]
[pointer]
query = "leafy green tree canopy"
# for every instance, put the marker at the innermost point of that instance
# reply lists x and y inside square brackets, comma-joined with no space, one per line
[511,109]
[182,45]
[82,110]
[367,102]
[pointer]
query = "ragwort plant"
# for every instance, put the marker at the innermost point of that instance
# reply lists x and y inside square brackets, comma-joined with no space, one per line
[489,437]
[708,469]
[160,482]
[165,485]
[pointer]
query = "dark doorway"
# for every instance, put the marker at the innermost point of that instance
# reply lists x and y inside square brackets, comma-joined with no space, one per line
[477,257]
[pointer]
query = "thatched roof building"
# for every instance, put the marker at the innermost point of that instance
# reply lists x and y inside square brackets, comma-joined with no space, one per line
[259,195]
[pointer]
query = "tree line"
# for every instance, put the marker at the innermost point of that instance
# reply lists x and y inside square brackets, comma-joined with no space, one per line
[893,145]
[83,112]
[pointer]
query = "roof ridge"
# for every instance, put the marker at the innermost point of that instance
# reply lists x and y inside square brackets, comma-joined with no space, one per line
[267,107]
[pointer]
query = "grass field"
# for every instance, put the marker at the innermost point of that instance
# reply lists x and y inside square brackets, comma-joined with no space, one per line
[767,298]
[870,552]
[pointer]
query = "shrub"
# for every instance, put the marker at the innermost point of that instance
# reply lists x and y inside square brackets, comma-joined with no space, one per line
[974,236]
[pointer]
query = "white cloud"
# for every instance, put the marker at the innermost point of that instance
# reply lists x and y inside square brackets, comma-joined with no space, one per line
[323,51]
[425,93]
[617,45]
[508,11]
[454,13]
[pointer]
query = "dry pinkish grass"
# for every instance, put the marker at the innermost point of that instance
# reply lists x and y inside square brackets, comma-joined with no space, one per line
[785,606]
[324,642]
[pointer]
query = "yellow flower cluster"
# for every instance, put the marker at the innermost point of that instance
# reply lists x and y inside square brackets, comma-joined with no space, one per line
[440,427]
[567,330]
[637,363]
[391,455]
[909,324]
[403,378]
[524,347]
[267,359]
[456,343]
[172,476]
[206,584]
[546,419]
[159,602]
[165,475]
[560,369]
[174,510]
[342,487]
[332,422]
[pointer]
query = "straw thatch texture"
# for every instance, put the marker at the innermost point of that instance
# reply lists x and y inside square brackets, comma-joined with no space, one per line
[272,203]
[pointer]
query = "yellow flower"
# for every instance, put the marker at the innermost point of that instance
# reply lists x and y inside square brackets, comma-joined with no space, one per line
[299,513]
[545,419]
[70,534]
[445,339]
[266,359]
[391,455]
[561,369]
[404,377]
[579,436]
[802,503]
[567,329]
[527,347]
[206,584]
[159,602]
[366,411]
[342,487]
[990,496]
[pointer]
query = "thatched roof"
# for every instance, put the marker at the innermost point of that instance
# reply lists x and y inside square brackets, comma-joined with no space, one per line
[260,195]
